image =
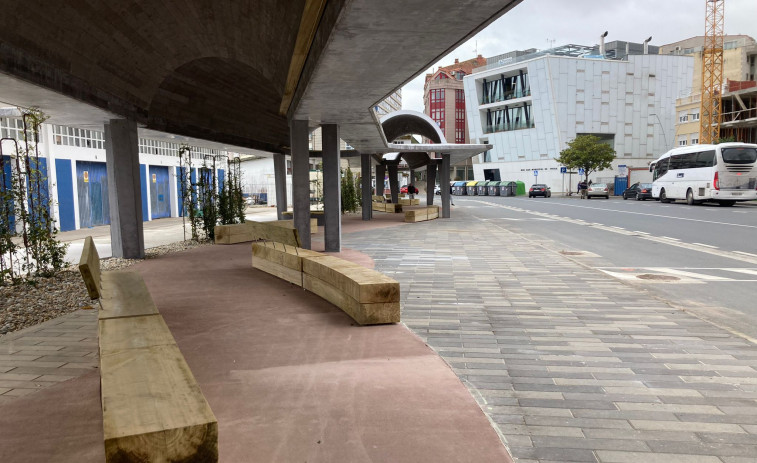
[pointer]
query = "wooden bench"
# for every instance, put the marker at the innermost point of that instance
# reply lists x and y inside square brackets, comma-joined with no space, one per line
[422,214]
[378,203]
[366,295]
[153,408]
[319,215]
[282,231]
[410,201]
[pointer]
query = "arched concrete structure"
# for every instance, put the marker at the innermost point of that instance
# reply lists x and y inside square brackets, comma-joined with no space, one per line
[407,122]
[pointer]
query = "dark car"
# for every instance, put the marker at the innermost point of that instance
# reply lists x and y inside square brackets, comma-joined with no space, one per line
[639,191]
[403,190]
[539,189]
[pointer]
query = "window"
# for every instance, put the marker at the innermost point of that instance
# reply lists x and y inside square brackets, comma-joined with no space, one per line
[70,136]
[683,116]
[695,116]
[509,118]
[506,88]
[436,97]
[682,139]
[695,140]
[459,116]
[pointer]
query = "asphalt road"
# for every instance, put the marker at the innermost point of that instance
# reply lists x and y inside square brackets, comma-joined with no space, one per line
[700,258]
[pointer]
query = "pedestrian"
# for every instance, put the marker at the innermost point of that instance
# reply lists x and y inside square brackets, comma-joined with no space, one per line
[411,190]
[583,187]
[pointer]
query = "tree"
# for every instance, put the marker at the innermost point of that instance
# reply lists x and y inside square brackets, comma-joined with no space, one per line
[587,152]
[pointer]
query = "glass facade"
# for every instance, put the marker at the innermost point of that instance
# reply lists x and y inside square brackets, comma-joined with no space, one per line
[509,118]
[459,116]
[506,88]
[437,106]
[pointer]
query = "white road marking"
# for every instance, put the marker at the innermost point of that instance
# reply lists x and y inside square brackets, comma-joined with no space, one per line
[669,238]
[705,245]
[748,271]
[700,276]
[745,253]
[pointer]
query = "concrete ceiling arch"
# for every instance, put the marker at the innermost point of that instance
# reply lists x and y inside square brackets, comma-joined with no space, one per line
[408,122]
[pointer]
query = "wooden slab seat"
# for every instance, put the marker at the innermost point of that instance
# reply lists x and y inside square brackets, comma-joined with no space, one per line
[282,231]
[386,207]
[314,214]
[366,295]
[422,214]
[153,408]
[410,202]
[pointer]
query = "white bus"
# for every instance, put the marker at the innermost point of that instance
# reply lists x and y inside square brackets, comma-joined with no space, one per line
[724,173]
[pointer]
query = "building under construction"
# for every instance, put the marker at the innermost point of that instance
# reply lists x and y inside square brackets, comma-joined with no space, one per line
[739,115]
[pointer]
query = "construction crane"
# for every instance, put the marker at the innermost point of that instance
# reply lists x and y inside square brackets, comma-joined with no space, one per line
[712,72]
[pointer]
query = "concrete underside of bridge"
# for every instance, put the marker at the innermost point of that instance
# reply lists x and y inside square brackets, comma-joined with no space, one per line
[232,72]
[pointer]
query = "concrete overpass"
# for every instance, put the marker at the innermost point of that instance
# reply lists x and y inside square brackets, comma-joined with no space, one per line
[255,74]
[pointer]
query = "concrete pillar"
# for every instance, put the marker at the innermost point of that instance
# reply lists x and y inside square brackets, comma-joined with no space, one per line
[124,189]
[366,190]
[332,188]
[394,184]
[380,174]
[298,131]
[280,179]
[444,182]
[430,182]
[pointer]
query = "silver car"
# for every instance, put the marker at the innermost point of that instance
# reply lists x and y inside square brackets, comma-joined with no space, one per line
[598,189]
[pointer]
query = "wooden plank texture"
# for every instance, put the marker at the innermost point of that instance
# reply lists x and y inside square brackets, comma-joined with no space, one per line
[89,267]
[251,231]
[360,283]
[153,409]
[124,294]
[118,334]
[362,313]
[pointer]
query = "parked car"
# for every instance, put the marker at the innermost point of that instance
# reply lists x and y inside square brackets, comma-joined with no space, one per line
[639,191]
[403,189]
[539,189]
[598,189]
[437,190]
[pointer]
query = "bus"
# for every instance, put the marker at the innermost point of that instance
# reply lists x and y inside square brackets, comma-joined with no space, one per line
[723,173]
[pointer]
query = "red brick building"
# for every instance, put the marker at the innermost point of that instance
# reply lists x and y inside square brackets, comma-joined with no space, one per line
[444,102]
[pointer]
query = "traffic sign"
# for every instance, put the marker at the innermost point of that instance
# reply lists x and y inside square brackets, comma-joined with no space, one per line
[536,173]
[580,171]
[563,170]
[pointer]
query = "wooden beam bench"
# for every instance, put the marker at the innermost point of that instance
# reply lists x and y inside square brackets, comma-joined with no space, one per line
[380,204]
[153,408]
[319,215]
[366,295]
[421,214]
[282,231]
[410,201]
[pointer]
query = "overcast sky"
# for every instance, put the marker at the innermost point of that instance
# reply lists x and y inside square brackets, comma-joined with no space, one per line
[537,23]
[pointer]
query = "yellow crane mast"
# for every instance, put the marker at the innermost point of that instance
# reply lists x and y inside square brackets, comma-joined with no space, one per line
[712,72]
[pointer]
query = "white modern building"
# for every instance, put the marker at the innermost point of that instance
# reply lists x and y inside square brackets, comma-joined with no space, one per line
[531,106]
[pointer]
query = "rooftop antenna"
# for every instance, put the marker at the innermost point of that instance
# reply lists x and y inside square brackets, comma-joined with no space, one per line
[551,43]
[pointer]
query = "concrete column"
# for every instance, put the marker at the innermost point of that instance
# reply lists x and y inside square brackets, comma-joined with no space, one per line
[394,184]
[280,179]
[366,190]
[124,189]
[298,131]
[332,188]
[430,182]
[444,183]
[380,174]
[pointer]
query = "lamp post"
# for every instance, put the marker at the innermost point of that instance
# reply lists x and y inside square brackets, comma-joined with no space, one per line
[662,129]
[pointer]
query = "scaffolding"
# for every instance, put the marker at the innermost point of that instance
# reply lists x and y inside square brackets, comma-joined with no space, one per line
[712,72]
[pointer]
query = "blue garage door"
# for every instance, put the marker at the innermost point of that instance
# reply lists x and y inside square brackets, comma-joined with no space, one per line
[160,196]
[65,194]
[6,186]
[92,190]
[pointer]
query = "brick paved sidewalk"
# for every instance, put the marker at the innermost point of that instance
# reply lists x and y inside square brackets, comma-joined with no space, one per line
[43,355]
[568,363]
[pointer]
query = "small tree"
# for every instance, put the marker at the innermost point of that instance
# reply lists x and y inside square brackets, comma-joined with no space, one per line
[587,152]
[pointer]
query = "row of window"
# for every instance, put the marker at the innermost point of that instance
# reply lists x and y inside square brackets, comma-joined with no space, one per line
[72,136]
[12,127]
[685,161]
[459,116]
[683,140]
[683,116]
[436,106]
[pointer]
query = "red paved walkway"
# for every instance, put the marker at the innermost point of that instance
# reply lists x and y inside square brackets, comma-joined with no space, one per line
[288,375]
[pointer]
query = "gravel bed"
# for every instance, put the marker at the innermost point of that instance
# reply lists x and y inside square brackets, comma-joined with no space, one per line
[28,304]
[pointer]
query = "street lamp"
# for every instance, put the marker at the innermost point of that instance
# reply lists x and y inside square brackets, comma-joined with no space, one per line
[662,129]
